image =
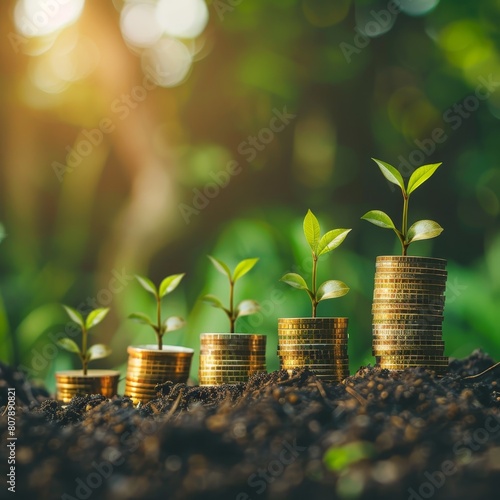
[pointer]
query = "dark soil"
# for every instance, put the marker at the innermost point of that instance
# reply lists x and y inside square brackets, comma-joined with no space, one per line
[379,435]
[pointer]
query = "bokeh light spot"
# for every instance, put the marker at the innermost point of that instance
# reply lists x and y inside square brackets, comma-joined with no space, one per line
[418,7]
[139,24]
[183,19]
[167,63]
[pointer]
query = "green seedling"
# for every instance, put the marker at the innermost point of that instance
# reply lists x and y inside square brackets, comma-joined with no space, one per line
[420,230]
[245,307]
[320,245]
[86,354]
[161,327]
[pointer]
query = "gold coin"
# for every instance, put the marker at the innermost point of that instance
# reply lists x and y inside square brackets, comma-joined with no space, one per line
[408,317]
[413,270]
[411,359]
[409,299]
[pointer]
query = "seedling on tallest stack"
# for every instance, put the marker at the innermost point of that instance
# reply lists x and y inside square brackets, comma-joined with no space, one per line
[420,230]
[408,297]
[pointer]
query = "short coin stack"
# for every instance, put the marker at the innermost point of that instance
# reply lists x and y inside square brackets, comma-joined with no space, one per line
[70,383]
[319,344]
[148,367]
[230,358]
[408,306]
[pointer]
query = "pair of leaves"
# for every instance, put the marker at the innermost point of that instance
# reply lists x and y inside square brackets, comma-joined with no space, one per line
[169,325]
[419,176]
[330,289]
[244,308]
[240,270]
[420,230]
[93,318]
[97,351]
[321,245]
[168,285]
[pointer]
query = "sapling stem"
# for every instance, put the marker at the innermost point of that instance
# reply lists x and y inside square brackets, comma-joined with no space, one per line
[158,320]
[314,273]
[404,228]
[84,350]
[232,319]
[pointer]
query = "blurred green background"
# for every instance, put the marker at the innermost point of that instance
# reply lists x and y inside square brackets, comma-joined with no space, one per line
[120,117]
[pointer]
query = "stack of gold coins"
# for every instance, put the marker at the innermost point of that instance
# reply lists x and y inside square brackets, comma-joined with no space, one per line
[147,367]
[408,307]
[230,358]
[71,383]
[319,344]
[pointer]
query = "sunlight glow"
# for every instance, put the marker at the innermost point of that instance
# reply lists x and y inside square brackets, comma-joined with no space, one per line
[35,18]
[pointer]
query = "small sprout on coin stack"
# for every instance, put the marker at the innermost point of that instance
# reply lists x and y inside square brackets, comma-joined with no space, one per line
[86,354]
[245,307]
[420,230]
[320,245]
[160,327]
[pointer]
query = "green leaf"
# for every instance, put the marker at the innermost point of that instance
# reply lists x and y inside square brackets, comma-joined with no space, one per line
[75,316]
[220,266]
[170,283]
[424,230]
[140,318]
[311,230]
[147,284]
[95,317]
[213,301]
[391,173]
[243,267]
[98,351]
[69,345]
[331,290]
[2,232]
[421,175]
[379,218]
[295,280]
[247,307]
[340,458]
[174,323]
[331,240]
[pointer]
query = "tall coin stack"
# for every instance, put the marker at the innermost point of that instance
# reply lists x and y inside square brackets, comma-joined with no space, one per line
[230,358]
[319,344]
[147,367]
[408,306]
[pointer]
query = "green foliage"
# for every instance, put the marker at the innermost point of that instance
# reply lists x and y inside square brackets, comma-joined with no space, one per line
[320,245]
[420,230]
[342,457]
[86,354]
[160,327]
[245,307]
